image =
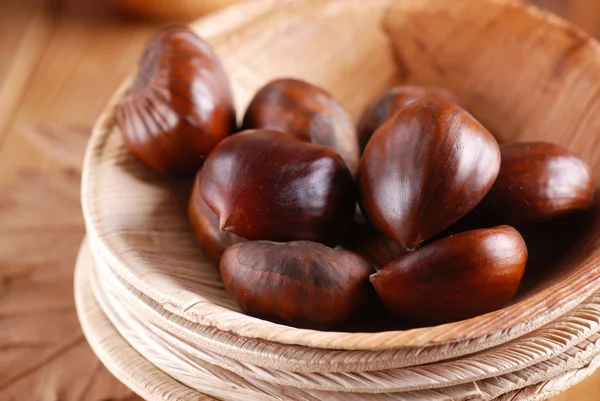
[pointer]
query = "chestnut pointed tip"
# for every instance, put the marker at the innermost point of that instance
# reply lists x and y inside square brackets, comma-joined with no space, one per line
[274,205]
[374,277]
[412,216]
[226,226]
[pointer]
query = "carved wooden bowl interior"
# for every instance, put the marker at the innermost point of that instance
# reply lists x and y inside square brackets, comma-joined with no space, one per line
[524,74]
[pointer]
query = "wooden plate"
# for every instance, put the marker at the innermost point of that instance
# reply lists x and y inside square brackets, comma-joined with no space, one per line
[525,74]
[116,354]
[152,383]
[280,363]
[561,337]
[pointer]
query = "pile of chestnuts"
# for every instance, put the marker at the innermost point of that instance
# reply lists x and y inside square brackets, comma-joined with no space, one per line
[274,203]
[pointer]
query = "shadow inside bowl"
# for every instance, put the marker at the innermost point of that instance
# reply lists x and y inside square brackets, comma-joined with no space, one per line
[557,247]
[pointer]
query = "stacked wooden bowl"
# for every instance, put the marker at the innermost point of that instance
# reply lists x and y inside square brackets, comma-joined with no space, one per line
[155,310]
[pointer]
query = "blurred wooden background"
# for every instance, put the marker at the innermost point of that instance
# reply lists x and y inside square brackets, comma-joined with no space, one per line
[60,60]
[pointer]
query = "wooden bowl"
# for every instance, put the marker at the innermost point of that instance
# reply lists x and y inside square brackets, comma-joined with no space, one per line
[560,345]
[525,74]
[143,376]
[125,363]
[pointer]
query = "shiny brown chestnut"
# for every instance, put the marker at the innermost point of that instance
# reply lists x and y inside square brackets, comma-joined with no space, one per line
[372,245]
[300,283]
[205,224]
[455,278]
[267,185]
[424,169]
[307,112]
[538,181]
[180,105]
[393,100]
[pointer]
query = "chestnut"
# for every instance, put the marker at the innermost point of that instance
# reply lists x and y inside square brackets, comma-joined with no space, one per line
[424,169]
[455,278]
[538,181]
[205,225]
[180,105]
[300,283]
[267,185]
[307,112]
[393,100]
[372,245]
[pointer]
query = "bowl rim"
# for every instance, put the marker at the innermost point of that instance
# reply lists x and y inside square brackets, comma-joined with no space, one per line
[559,335]
[105,341]
[517,318]
[115,353]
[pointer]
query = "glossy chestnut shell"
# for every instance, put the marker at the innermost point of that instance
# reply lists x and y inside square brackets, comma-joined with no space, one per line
[307,112]
[179,106]
[392,101]
[372,245]
[538,181]
[205,224]
[424,169]
[455,278]
[266,185]
[299,283]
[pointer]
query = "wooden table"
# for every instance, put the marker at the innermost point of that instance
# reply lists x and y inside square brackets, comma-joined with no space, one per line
[60,60]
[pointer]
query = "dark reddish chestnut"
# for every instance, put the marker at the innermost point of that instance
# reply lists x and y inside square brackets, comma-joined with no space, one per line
[393,100]
[372,245]
[538,181]
[266,185]
[299,283]
[179,106]
[455,278]
[424,169]
[309,113]
[205,224]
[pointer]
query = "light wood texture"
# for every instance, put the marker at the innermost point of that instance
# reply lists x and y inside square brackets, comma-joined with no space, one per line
[28,66]
[137,224]
[254,358]
[116,354]
[53,70]
[541,350]
[549,377]
[549,388]
[65,145]
[585,13]
[41,343]
[53,58]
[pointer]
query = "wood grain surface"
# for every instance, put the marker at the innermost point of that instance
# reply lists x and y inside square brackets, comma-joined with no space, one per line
[53,73]
[119,193]
[191,370]
[60,60]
